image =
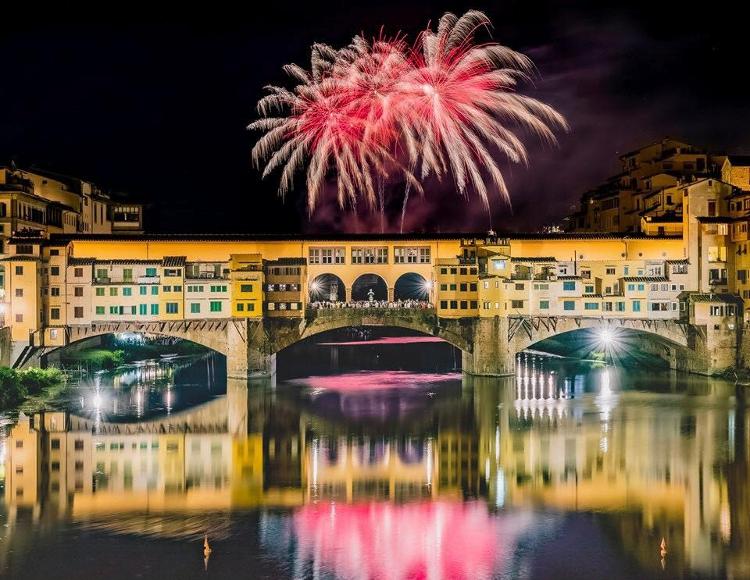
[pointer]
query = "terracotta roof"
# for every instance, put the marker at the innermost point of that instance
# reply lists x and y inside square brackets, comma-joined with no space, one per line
[287,262]
[721,297]
[532,259]
[173,261]
[81,261]
[645,279]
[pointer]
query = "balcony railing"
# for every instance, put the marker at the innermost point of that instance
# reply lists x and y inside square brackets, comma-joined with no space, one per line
[148,279]
[718,281]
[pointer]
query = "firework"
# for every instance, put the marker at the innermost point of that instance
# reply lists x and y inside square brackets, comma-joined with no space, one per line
[376,111]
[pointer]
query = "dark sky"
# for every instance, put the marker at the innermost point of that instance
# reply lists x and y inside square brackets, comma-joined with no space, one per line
[156,104]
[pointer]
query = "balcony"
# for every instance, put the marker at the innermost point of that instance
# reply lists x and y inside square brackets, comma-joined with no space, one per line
[148,279]
[718,281]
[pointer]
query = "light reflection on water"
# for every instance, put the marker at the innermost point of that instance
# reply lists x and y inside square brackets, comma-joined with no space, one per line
[561,471]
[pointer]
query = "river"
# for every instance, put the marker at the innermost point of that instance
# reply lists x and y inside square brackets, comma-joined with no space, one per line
[384,463]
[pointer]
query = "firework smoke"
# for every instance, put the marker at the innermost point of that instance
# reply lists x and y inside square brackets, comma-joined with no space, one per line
[384,111]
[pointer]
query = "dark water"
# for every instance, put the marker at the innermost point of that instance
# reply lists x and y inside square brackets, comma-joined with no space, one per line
[563,471]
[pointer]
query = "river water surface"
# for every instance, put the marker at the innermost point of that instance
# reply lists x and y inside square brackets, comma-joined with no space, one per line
[395,471]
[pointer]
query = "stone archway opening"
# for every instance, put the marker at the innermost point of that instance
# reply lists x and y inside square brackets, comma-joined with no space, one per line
[613,345]
[412,286]
[327,288]
[369,287]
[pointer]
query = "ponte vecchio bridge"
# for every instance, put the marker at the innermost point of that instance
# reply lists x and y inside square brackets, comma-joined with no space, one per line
[250,297]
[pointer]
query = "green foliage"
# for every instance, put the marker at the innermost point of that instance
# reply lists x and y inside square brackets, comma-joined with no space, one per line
[17,386]
[95,358]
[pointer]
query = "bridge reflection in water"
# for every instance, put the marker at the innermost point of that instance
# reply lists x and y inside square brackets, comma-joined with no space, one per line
[450,477]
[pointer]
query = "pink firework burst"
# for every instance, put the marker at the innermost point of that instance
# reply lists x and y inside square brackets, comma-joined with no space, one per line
[376,110]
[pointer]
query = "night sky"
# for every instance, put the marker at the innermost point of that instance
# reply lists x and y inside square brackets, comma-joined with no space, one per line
[156,104]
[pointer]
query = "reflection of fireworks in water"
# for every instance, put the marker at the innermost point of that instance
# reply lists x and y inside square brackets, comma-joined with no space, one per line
[381,540]
[378,110]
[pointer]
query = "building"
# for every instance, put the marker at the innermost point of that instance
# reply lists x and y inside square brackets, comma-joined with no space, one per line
[646,195]
[50,203]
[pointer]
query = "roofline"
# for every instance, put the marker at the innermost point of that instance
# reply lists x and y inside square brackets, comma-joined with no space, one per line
[57,239]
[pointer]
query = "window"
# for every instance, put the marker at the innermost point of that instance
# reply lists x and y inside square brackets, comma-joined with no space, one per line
[443,304]
[569,305]
[78,312]
[544,305]
[142,290]
[55,444]
[172,272]
[19,317]
[712,207]
[519,286]
[369,255]
[114,310]
[636,305]
[463,287]
[473,287]
[641,287]
[78,445]
[143,309]
[454,304]
[452,287]
[589,289]
[99,291]
[113,291]
[151,272]
[327,255]
[443,287]
[591,306]
[620,307]
[166,288]
[246,287]
[411,255]
[54,252]
[78,272]
[241,307]
[54,313]
[78,291]
[631,287]
[516,304]
[607,306]
[24,249]
[54,271]
[195,308]
[172,308]
[154,309]
[215,306]
[100,309]
[569,286]
[154,290]
[19,292]
[127,274]
[610,271]
[127,291]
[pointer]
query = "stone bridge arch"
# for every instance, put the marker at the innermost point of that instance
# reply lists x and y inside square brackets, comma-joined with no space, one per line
[525,331]
[282,334]
[213,334]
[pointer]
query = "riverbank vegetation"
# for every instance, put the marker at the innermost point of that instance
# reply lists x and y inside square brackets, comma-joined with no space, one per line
[114,353]
[27,385]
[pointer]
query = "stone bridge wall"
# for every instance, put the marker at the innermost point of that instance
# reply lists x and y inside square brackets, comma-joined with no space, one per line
[489,345]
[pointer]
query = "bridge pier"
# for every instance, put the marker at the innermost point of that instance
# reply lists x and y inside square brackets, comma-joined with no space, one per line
[248,350]
[492,354]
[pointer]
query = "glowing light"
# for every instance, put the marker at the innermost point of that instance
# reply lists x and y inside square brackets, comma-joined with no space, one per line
[606,336]
[387,110]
